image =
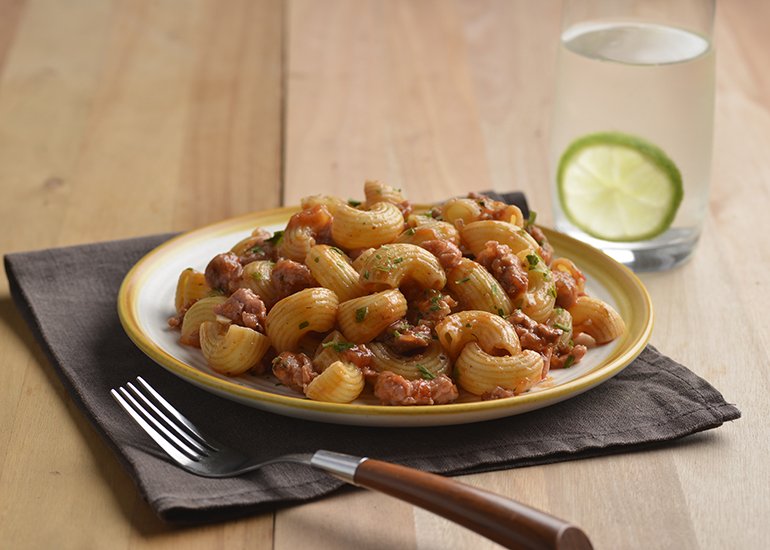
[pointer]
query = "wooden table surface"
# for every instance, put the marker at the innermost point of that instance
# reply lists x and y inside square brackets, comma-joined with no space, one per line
[121,118]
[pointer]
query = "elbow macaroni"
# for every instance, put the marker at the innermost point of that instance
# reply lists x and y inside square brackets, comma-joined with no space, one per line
[390,265]
[310,310]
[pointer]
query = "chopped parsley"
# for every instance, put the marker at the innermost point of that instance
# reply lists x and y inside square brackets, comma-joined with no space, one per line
[533,260]
[361,314]
[275,240]
[316,259]
[304,324]
[354,203]
[562,327]
[257,276]
[338,346]
[257,250]
[366,274]
[500,312]
[426,374]
[410,231]
[398,260]
[531,219]
[569,361]
[552,291]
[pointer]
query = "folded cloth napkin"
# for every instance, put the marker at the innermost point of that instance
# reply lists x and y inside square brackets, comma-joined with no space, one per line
[68,297]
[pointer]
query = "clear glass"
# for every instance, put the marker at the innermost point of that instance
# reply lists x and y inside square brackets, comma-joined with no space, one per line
[644,68]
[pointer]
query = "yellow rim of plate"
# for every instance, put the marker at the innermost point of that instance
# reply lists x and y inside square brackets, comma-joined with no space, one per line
[624,286]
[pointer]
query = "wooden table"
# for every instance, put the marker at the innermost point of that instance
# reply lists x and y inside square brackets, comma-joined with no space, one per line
[125,118]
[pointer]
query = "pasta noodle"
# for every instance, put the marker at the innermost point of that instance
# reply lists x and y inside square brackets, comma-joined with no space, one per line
[479,372]
[200,312]
[476,289]
[190,288]
[362,319]
[231,349]
[414,304]
[339,383]
[390,265]
[310,310]
[333,270]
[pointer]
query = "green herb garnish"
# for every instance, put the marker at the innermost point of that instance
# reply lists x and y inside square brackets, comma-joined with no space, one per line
[531,219]
[562,327]
[533,260]
[354,203]
[569,361]
[275,240]
[361,314]
[339,347]
[426,374]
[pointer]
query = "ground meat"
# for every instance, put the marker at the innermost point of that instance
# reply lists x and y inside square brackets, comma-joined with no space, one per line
[448,254]
[566,289]
[289,277]
[224,272]
[563,361]
[404,338]
[498,393]
[430,308]
[176,320]
[533,335]
[294,370]
[393,389]
[244,308]
[505,267]
[546,250]
[490,208]
[257,247]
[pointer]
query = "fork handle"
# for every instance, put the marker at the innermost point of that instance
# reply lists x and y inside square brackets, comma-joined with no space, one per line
[504,521]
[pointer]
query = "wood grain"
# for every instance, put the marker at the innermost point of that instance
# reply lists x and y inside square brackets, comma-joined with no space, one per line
[128,117]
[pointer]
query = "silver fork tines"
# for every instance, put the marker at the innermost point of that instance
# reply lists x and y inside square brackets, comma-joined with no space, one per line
[183,442]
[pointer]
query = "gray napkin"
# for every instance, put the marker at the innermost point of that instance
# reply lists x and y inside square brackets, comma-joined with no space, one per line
[68,297]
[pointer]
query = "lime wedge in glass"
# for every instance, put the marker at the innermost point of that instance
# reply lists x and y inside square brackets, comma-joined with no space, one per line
[618,187]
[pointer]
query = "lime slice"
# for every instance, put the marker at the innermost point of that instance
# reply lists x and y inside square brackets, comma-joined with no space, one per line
[618,187]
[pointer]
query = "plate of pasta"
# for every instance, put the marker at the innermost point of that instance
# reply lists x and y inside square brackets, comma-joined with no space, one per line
[381,313]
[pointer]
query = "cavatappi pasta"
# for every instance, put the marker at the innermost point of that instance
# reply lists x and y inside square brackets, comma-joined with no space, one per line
[416,307]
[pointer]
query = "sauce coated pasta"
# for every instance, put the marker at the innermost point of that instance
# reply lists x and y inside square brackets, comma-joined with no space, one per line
[414,307]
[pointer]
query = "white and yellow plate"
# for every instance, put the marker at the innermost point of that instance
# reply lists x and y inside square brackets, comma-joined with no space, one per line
[146,301]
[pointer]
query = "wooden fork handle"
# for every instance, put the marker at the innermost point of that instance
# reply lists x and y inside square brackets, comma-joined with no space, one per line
[504,521]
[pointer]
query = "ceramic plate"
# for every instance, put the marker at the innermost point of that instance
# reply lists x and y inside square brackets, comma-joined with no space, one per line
[146,301]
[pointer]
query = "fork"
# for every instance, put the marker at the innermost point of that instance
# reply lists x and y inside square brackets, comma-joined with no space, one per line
[504,521]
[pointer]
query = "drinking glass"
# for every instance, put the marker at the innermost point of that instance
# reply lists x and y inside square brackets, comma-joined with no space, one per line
[634,101]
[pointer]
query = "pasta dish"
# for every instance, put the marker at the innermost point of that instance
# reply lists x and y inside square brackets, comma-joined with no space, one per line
[415,307]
